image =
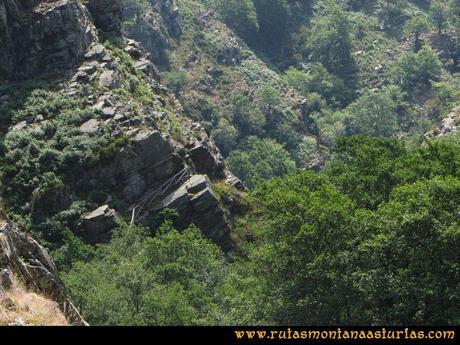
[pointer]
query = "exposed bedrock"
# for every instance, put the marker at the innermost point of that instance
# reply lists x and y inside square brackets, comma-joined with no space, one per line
[23,258]
[39,36]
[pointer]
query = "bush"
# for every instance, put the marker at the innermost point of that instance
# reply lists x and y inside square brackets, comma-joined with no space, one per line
[414,72]
[329,42]
[259,159]
[246,115]
[318,80]
[171,279]
[374,113]
[225,136]
[176,81]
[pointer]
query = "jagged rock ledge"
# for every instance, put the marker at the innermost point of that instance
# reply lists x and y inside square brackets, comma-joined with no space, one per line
[23,258]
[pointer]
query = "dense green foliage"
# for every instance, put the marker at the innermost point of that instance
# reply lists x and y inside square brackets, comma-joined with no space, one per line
[346,58]
[36,158]
[373,239]
[329,42]
[366,233]
[171,279]
[322,108]
[415,71]
[239,14]
[374,113]
[257,160]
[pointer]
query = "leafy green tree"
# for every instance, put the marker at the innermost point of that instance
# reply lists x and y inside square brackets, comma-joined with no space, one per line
[170,279]
[409,255]
[225,135]
[329,42]
[324,254]
[302,248]
[367,169]
[298,79]
[73,250]
[259,159]
[269,97]
[439,14]
[318,80]
[416,26]
[415,71]
[176,80]
[374,113]
[361,168]
[246,115]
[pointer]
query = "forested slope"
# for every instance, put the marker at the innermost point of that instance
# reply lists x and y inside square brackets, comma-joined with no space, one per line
[304,73]
[372,239]
[212,162]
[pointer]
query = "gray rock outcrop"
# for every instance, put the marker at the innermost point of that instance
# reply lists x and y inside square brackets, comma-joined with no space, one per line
[169,10]
[154,149]
[96,227]
[107,15]
[38,36]
[28,261]
[449,125]
[150,31]
[156,29]
[148,162]
[196,203]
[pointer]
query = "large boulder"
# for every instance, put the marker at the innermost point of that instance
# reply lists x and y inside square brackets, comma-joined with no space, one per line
[96,226]
[151,146]
[207,159]
[48,202]
[196,203]
[39,36]
[149,160]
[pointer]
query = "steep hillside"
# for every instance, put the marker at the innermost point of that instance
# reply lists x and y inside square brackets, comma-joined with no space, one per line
[99,138]
[137,138]
[20,307]
[222,83]
[31,291]
[302,74]
[91,139]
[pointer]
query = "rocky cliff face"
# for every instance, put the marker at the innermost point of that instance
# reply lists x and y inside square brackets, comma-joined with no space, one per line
[449,125]
[107,14]
[24,261]
[155,28]
[158,158]
[38,36]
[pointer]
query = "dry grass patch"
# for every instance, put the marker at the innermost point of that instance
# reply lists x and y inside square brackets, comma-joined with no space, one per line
[30,309]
